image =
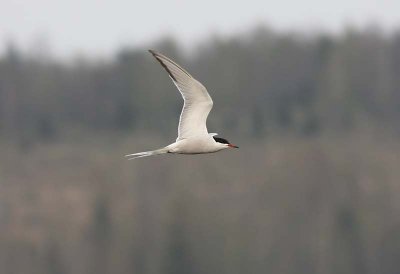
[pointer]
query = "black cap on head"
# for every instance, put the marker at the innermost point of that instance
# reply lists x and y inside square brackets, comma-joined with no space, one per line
[221,140]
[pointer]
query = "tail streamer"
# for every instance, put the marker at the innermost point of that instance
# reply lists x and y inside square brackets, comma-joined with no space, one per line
[146,153]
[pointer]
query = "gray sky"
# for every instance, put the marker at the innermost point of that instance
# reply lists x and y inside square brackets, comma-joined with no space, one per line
[100,27]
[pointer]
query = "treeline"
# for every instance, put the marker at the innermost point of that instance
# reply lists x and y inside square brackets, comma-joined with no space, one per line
[282,203]
[302,206]
[262,82]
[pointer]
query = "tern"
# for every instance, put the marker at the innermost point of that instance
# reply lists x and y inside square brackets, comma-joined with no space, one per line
[193,137]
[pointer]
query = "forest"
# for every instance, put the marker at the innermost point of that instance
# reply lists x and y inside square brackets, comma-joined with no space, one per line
[314,187]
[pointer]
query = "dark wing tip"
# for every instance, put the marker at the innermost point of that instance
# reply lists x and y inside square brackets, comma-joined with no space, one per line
[220,140]
[157,56]
[152,51]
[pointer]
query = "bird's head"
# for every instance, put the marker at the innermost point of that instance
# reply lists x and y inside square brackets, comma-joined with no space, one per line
[224,143]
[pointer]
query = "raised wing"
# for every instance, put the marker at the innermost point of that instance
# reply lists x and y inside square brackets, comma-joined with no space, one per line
[197,102]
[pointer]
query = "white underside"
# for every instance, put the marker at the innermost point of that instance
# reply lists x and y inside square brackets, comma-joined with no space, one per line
[193,137]
[194,145]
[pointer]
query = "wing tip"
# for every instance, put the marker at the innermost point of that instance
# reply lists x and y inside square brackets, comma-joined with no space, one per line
[156,54]
[152,51]
[158,58]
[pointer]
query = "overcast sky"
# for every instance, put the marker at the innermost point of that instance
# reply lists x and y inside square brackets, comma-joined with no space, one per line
[100,27]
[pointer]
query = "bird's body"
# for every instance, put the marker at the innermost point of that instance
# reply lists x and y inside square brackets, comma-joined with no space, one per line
[193,137]
[196,145]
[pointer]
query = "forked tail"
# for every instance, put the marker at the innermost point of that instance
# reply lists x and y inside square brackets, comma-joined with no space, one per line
[147,153]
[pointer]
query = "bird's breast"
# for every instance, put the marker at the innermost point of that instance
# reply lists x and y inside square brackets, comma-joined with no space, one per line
[194,146]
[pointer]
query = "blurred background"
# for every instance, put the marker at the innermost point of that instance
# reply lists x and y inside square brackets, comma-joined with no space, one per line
[308,90]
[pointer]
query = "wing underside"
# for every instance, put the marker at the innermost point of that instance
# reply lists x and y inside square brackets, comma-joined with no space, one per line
[197,101]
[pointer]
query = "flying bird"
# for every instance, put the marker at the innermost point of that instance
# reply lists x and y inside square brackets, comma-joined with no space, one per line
[193,137]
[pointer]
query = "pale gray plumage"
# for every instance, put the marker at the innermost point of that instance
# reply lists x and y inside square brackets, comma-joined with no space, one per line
[193,137]
[197,102]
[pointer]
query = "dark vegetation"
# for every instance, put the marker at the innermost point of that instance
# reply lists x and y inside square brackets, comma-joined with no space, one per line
[314,187]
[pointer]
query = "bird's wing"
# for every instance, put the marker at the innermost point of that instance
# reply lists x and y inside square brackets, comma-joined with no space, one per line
[197,102]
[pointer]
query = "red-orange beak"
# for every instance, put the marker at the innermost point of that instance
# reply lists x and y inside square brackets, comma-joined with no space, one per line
[232,146]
